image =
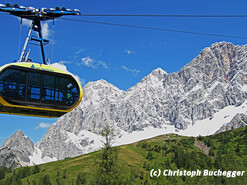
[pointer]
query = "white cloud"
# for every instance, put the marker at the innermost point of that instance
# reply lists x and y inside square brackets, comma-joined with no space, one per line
[80,80]
[102,64]
[129,51]
[61,66]
[26,22]
[44,26]
[42,125]
[89,62]
[45,30]
[65,62]
[80,50]
[134,71]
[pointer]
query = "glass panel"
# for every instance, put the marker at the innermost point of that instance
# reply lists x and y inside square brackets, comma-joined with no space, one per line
[48,88]
[66,91]
[33,89]
[12,83]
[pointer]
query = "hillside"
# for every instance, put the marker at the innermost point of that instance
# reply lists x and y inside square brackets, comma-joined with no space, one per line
[225,151]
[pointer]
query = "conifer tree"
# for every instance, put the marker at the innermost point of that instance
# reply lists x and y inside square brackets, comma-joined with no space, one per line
[150,156]
[238,149]
[142,175]
[3,171]
[81,179]
[108,171]
[132,177]
[64,174]
[36,169]
[45,180]
[34,182]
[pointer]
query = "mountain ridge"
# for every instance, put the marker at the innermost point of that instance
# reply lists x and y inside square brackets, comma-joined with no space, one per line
[212,81]
[198,94]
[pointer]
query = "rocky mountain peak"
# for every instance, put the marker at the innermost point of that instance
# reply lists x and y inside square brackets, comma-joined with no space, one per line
[19,133]
[159,72]
[223,45]
[15,150]
[17,137]
[223,51]
[97,92]
[99,84]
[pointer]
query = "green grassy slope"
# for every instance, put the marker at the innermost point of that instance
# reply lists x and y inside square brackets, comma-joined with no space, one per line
[225,151]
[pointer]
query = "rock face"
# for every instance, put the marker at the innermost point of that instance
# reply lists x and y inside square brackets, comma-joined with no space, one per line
[15,151]
[240,120]
[215,79]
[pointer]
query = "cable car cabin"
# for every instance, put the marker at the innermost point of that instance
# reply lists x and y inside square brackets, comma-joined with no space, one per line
[37,90]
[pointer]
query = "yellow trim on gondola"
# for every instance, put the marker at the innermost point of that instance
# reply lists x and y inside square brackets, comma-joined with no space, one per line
[32,65]
[32,115]
[42,67]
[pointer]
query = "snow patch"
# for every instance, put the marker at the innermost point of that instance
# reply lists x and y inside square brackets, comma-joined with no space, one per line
[36,158]
[208,127]
[244,88]
[147,133]
[94,141]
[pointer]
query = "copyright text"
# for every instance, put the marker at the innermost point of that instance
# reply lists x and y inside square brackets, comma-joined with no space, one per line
[189,173]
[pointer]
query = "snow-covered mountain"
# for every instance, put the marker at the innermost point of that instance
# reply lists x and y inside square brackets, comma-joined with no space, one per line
[204,95]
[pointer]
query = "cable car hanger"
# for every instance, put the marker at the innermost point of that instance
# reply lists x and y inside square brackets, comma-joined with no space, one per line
[36,16]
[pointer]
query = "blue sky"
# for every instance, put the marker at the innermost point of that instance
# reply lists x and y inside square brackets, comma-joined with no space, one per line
[120,55]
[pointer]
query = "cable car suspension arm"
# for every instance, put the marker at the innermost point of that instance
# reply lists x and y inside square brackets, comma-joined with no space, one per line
[36,16]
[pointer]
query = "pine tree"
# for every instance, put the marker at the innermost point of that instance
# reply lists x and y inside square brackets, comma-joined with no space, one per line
[147,179]
[18,182]
[58,173]
[148,167]
[81,179]
[36,169]
[34,182]
[28,182]
[108,170]
[24,172]
[3,171]
[211,152]
[145,165]
[132,177]
[238,149]
[200,138]
[64,174]
[142,175]
[58,182]
[150,156]
[45,180]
